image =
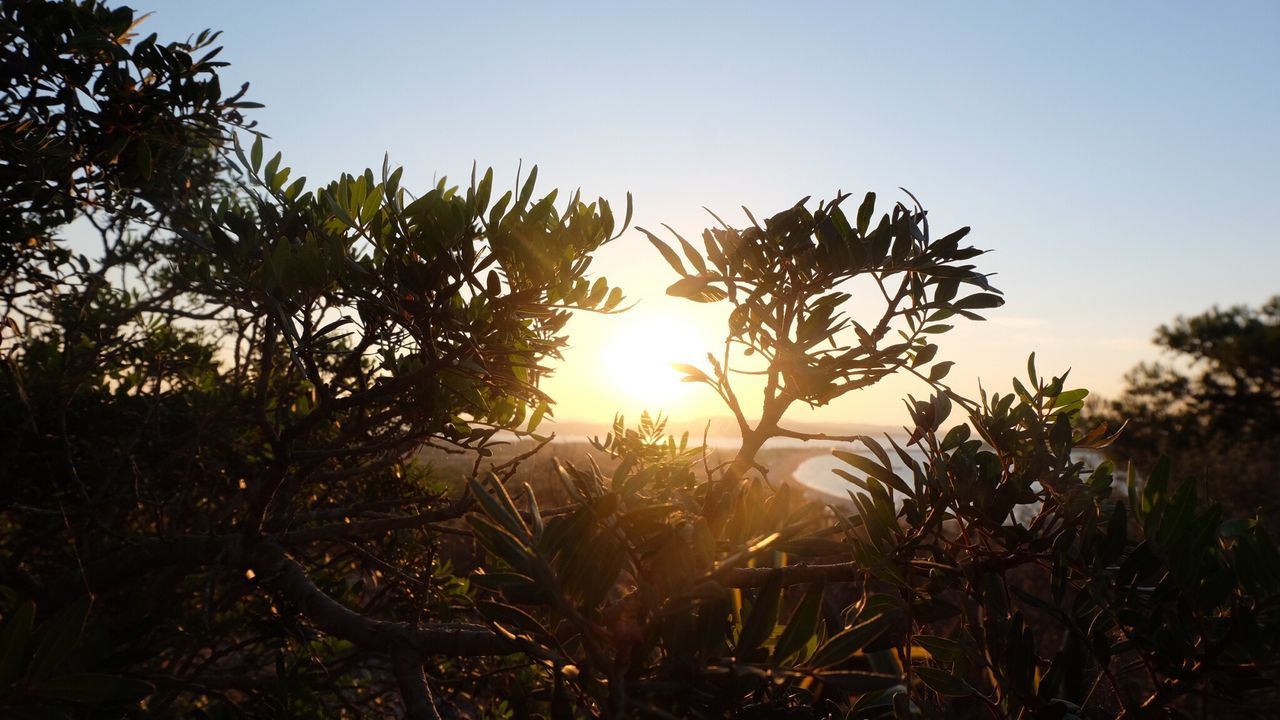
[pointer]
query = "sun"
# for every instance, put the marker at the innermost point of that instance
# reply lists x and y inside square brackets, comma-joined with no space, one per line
[637,360]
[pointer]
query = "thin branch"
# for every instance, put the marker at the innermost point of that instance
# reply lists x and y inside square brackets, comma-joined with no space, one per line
[418,703]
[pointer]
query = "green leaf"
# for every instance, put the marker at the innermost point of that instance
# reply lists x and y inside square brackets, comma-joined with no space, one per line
[94,689]
[1234,528]
[1069,397]
[1153,493]
[696,288]
[940,370]
[503,544]
[865,211]
[526,192]
[499,581]
[764,615]
[512,617]
[924,355]
[498,505]
[979,301]
[484,191]
[803,624]
[870,467]
[942,649]
[269,172]
[536,418]
[535,513]
[255,153]
[13,642]
[846,643]
[943,682]
[858,681]
[667,253]
[692,374]
[60,638]
[1131,486]
[1117,534]
[143,159]
[695,258]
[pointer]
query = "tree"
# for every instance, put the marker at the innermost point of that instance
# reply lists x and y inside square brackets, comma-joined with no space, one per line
[215,505]
[1215,411]
[91,119]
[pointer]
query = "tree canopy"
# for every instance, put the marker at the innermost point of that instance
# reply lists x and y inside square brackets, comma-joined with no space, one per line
[1214,408]
[268,449]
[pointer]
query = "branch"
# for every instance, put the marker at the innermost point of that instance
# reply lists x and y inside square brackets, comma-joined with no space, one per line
[783,432]
[418,703]
[289,579]
[793,574]
[347,531]
[145,556]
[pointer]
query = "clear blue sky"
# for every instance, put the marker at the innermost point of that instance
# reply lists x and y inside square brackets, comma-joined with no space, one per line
[1122,159]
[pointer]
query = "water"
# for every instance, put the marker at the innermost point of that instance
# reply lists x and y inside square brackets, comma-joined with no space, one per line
[817,474]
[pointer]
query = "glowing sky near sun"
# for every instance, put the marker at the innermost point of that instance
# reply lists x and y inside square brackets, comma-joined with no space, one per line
[1122,159]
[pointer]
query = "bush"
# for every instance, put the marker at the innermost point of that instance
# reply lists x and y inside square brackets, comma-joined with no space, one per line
[1215,409]
[214,506]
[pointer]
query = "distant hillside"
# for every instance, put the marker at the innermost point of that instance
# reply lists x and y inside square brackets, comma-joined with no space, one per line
[716,427]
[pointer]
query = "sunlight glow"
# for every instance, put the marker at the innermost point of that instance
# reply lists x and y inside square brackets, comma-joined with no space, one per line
[637,360]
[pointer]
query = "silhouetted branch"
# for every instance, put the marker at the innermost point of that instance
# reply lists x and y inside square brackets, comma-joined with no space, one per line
[285,575]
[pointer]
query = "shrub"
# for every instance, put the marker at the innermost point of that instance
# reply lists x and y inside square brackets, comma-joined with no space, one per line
[213,504]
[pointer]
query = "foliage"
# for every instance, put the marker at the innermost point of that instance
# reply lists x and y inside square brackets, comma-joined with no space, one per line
[213,502]
[91,118]
[1215,410]
[786,281]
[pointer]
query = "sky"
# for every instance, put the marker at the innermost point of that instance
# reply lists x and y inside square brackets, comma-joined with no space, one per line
[1121,160]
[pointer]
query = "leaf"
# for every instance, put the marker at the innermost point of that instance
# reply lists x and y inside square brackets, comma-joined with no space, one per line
[255,153]
[484,190]
[882,474]
[803,624]
[143,159]
[13,642]
[979,301]
[499,581]
[846,643]
[696,288]
[940,370]
[512,617]
[1152,494]
[1234,528]
[536,418]
[764,615]
[695,258]
[942,649]
[60,637]
[269,172]
[692,374]
[924,355]
[498,505]
[667,253]
[526,192]
[943,682]
[858,681]
[94,689]
[1070,397]
[1117,534]
[502,544]
[865,211]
